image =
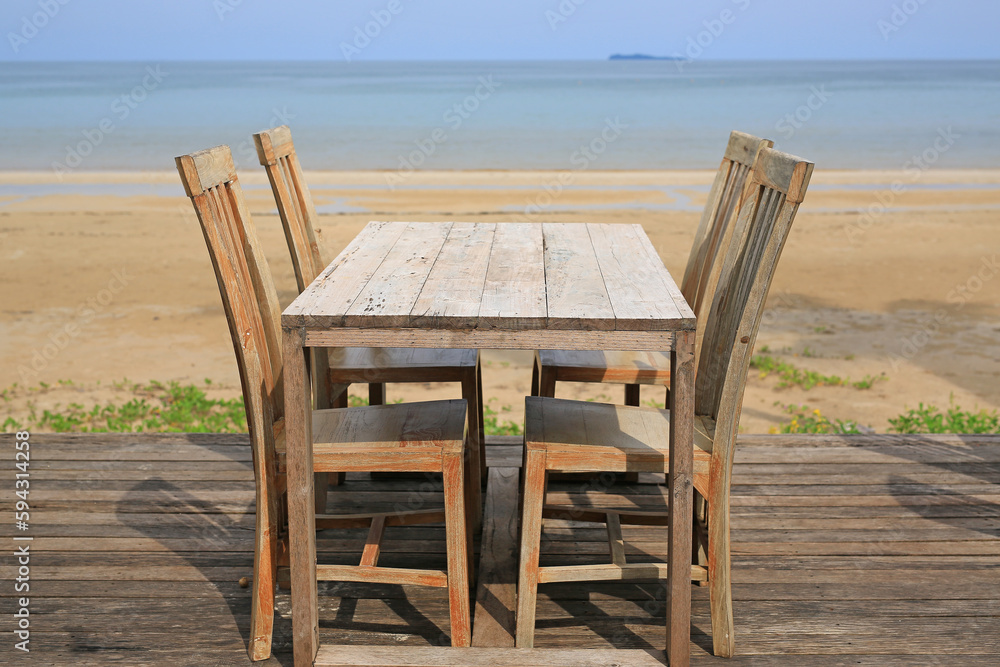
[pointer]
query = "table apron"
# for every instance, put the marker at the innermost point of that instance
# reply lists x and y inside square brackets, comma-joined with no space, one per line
[493,339]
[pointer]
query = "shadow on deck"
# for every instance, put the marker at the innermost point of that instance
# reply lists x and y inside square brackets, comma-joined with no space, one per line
[871,550]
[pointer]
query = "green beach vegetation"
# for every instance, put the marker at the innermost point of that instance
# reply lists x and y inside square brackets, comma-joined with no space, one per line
[186,408]
[790,375]
[155,407]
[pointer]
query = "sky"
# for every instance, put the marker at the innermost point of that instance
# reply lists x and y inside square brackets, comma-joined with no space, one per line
[359,30]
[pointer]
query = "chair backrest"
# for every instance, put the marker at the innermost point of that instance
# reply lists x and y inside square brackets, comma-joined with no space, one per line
[295,206]
[248,294]
[767,207]
[714,232]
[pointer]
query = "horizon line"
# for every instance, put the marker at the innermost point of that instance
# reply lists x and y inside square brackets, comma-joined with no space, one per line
[654,59]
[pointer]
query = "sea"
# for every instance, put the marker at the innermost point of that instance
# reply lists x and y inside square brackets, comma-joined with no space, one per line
[599,115]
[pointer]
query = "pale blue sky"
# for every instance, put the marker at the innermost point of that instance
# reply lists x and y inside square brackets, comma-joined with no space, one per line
[498,30]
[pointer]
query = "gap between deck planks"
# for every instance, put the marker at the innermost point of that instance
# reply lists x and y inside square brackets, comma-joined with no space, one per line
[496,595]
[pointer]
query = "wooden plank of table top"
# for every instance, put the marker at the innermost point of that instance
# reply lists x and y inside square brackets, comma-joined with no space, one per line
[672,288]
[331,295]
[453,290]
[394,287]
[576,295]
[637,284]
[514,293]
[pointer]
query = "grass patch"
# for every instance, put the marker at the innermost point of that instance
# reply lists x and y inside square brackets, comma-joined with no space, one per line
[922,419]
[494,425]
[805,420]
[930,419]
[155,407]
[868,381]
[790,375]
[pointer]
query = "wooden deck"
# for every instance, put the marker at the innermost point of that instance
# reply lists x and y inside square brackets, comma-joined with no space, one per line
[863,550]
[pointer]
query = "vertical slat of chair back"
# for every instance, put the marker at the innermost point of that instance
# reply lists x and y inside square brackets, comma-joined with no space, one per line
[741,152]
[715,229]
[767,208]
[295,205]
[248,293]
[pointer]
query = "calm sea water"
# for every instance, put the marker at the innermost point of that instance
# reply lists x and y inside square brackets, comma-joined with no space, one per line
[507,115]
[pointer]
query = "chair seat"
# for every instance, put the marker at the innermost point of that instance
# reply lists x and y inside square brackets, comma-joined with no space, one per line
[581,436]
[613,367]
[400,364]
[368,438]
[428,426]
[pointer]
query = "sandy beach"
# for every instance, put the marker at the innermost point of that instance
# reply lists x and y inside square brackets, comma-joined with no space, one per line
[105,276]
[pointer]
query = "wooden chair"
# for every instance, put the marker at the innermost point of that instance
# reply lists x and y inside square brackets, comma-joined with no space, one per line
[405,437]
[345,366]
[711,240]
[579,436]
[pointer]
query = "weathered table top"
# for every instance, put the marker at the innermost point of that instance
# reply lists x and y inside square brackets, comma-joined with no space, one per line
[483,277]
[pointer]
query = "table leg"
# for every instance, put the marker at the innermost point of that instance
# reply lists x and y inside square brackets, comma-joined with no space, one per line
[680,492]
[301,500]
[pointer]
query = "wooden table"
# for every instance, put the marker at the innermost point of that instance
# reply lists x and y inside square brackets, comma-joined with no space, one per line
[491,286]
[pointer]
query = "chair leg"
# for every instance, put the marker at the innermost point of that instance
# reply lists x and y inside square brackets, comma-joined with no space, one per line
[459,544]
[631,398]
[699,537]
[482,424]
[376,393]
[546,382]
[337,478]
[531,539]
[473,457]
[472,392]
[265,574]
[534,377]
[321,482]
[720,586]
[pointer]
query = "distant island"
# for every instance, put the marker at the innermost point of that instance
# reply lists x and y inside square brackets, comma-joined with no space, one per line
[642,56]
